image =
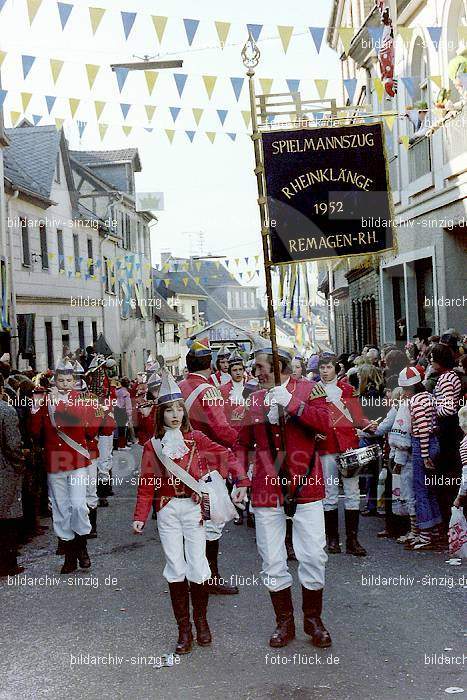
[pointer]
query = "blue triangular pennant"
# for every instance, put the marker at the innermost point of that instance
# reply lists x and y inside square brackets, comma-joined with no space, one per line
[293,84]
[150,129]
[222,113]
[50,101]
[376,36]
[3,94]
[125,109]
[128,19]
[27,64]
[409,84]
[2,3]
[435,35]
[36,119]
[317,34]
[191,25]
[180,80]
[174,111]
[232,136]
[255,30]
[122,75]
[191,135]
[81,127]
[350,85]
[64,10]
[237,84]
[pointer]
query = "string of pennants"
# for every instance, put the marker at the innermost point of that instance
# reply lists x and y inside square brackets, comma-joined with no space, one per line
[128,19]
[129,268]
[194,267]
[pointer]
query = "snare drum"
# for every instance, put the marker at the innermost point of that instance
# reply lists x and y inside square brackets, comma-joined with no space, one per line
[350,462]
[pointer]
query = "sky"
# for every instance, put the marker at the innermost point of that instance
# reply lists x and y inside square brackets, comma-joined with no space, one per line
[208,187]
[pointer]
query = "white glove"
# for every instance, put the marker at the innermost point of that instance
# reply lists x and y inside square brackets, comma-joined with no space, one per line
[280,396]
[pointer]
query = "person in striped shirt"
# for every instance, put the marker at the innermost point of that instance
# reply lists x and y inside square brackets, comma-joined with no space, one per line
[425,451]
[461,498]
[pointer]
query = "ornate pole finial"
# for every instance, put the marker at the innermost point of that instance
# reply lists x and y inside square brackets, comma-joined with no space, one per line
[250,54]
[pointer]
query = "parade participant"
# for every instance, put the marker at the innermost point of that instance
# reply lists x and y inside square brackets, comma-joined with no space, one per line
[312,368]
[461,500]
[123,413]
[422,344]
[204,406]
[232,393]
[179,522]
[298,367]
[285,482]
[345,416]
[221,376]
[59,420]
[147,410]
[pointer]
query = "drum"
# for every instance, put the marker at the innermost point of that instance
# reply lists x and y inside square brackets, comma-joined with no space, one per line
[350,462]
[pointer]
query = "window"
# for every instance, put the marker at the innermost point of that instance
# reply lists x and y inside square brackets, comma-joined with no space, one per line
[90,257]
[127,232]
[65,336]
[25,242]
[162,332]
[49,343]
[60,249]
[76,252]
[81,341]
[44,250]
[106,275]
[193,313]
[140,236]
[94,331]
[57,168]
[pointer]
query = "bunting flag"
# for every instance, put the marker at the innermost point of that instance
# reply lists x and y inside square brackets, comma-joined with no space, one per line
[321,87]
[25,100]
[379,88]
[27,62]
[406,34]
[346,34]
[160,24]
[293,84]
[211,135]
[74,104]
[254,30]
[222,29]
[317,34]
[266,85]
[435,35]
[2,4]
[64,10]
[81,128]
[237,84]
[170,134]
[209,83]
[191,135]
[438,81]
[92,71]
[191,26]
[405,142]
[390,120]
[121,74]
[3,94]
[197,114]
[232,136]
[180,80]
[222,114]
[50,101]
[151,77]
[285,34]
[128,20]
[376,36]
[36,119]
[409,85]
[55,68]
[33,6]
[95,15]
[125,107]
[174,111]
[15,116]
[350,85]
[150,110]
[59,123]
[127,130]
[246,114]
[99,107]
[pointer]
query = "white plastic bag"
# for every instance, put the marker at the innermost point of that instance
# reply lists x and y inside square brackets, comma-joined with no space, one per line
[458,533]
[221,508]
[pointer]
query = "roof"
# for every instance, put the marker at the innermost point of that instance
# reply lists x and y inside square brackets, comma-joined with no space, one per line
[180,283]
[30,159]
[98,158]
[164,312]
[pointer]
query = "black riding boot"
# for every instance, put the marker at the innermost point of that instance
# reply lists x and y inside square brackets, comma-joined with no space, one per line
[353,546]
[312,605]
[288,540]
[199,601]
[82,551]
[283,607]
[93,520]
[216,585]
[180,598]
[331,520]
[70,564]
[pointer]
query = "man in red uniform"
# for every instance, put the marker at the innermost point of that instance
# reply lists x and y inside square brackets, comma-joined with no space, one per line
[345,416]
[221,376]
[203,403]
[61,422]
[287,482]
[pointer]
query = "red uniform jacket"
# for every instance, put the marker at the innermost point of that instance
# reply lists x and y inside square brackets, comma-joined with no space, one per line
[101,421]
[259,442]
[234,410]
[215,379]
[74,419]
[154,478]
[207,413]
[146,418]
[341,433]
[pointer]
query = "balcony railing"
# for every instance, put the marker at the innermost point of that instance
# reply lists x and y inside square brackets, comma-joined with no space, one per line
[455,137]
[419,159]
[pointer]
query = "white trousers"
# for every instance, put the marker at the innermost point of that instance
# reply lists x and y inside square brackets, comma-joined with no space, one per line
[213,530]
[183,539]
[91,485]
[407,492]
[104,461]
[309,541]
[331,484]
[67,493]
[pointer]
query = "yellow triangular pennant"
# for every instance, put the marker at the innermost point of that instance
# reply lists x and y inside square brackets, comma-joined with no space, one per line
[211,135]
[2,56]
[379,87]
[55,67]
[99,107]
[33,6]
[185,281]
[405,142]
[223,29]
[197,113]
[197,280]
[127,130]
[150,109]
[390,119]
[159,25]
[74,104]
[246,114]
[25,100]
[198,266]
[59,123]
[95,15]
[437,79]
[209,83]
[346,34]
[285,34]
[406,34]
[321,86]
[170,134]
[14,116]
[92,71]
[151,77]
[266,84]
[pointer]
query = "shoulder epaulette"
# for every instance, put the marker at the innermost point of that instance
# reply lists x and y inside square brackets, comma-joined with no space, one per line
[318,392]
[212,394]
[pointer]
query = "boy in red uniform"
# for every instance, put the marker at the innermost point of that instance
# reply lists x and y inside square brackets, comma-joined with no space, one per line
[221,376]
[232,393]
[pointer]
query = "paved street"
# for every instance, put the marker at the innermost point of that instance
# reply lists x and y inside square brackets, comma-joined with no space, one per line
[120,611]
